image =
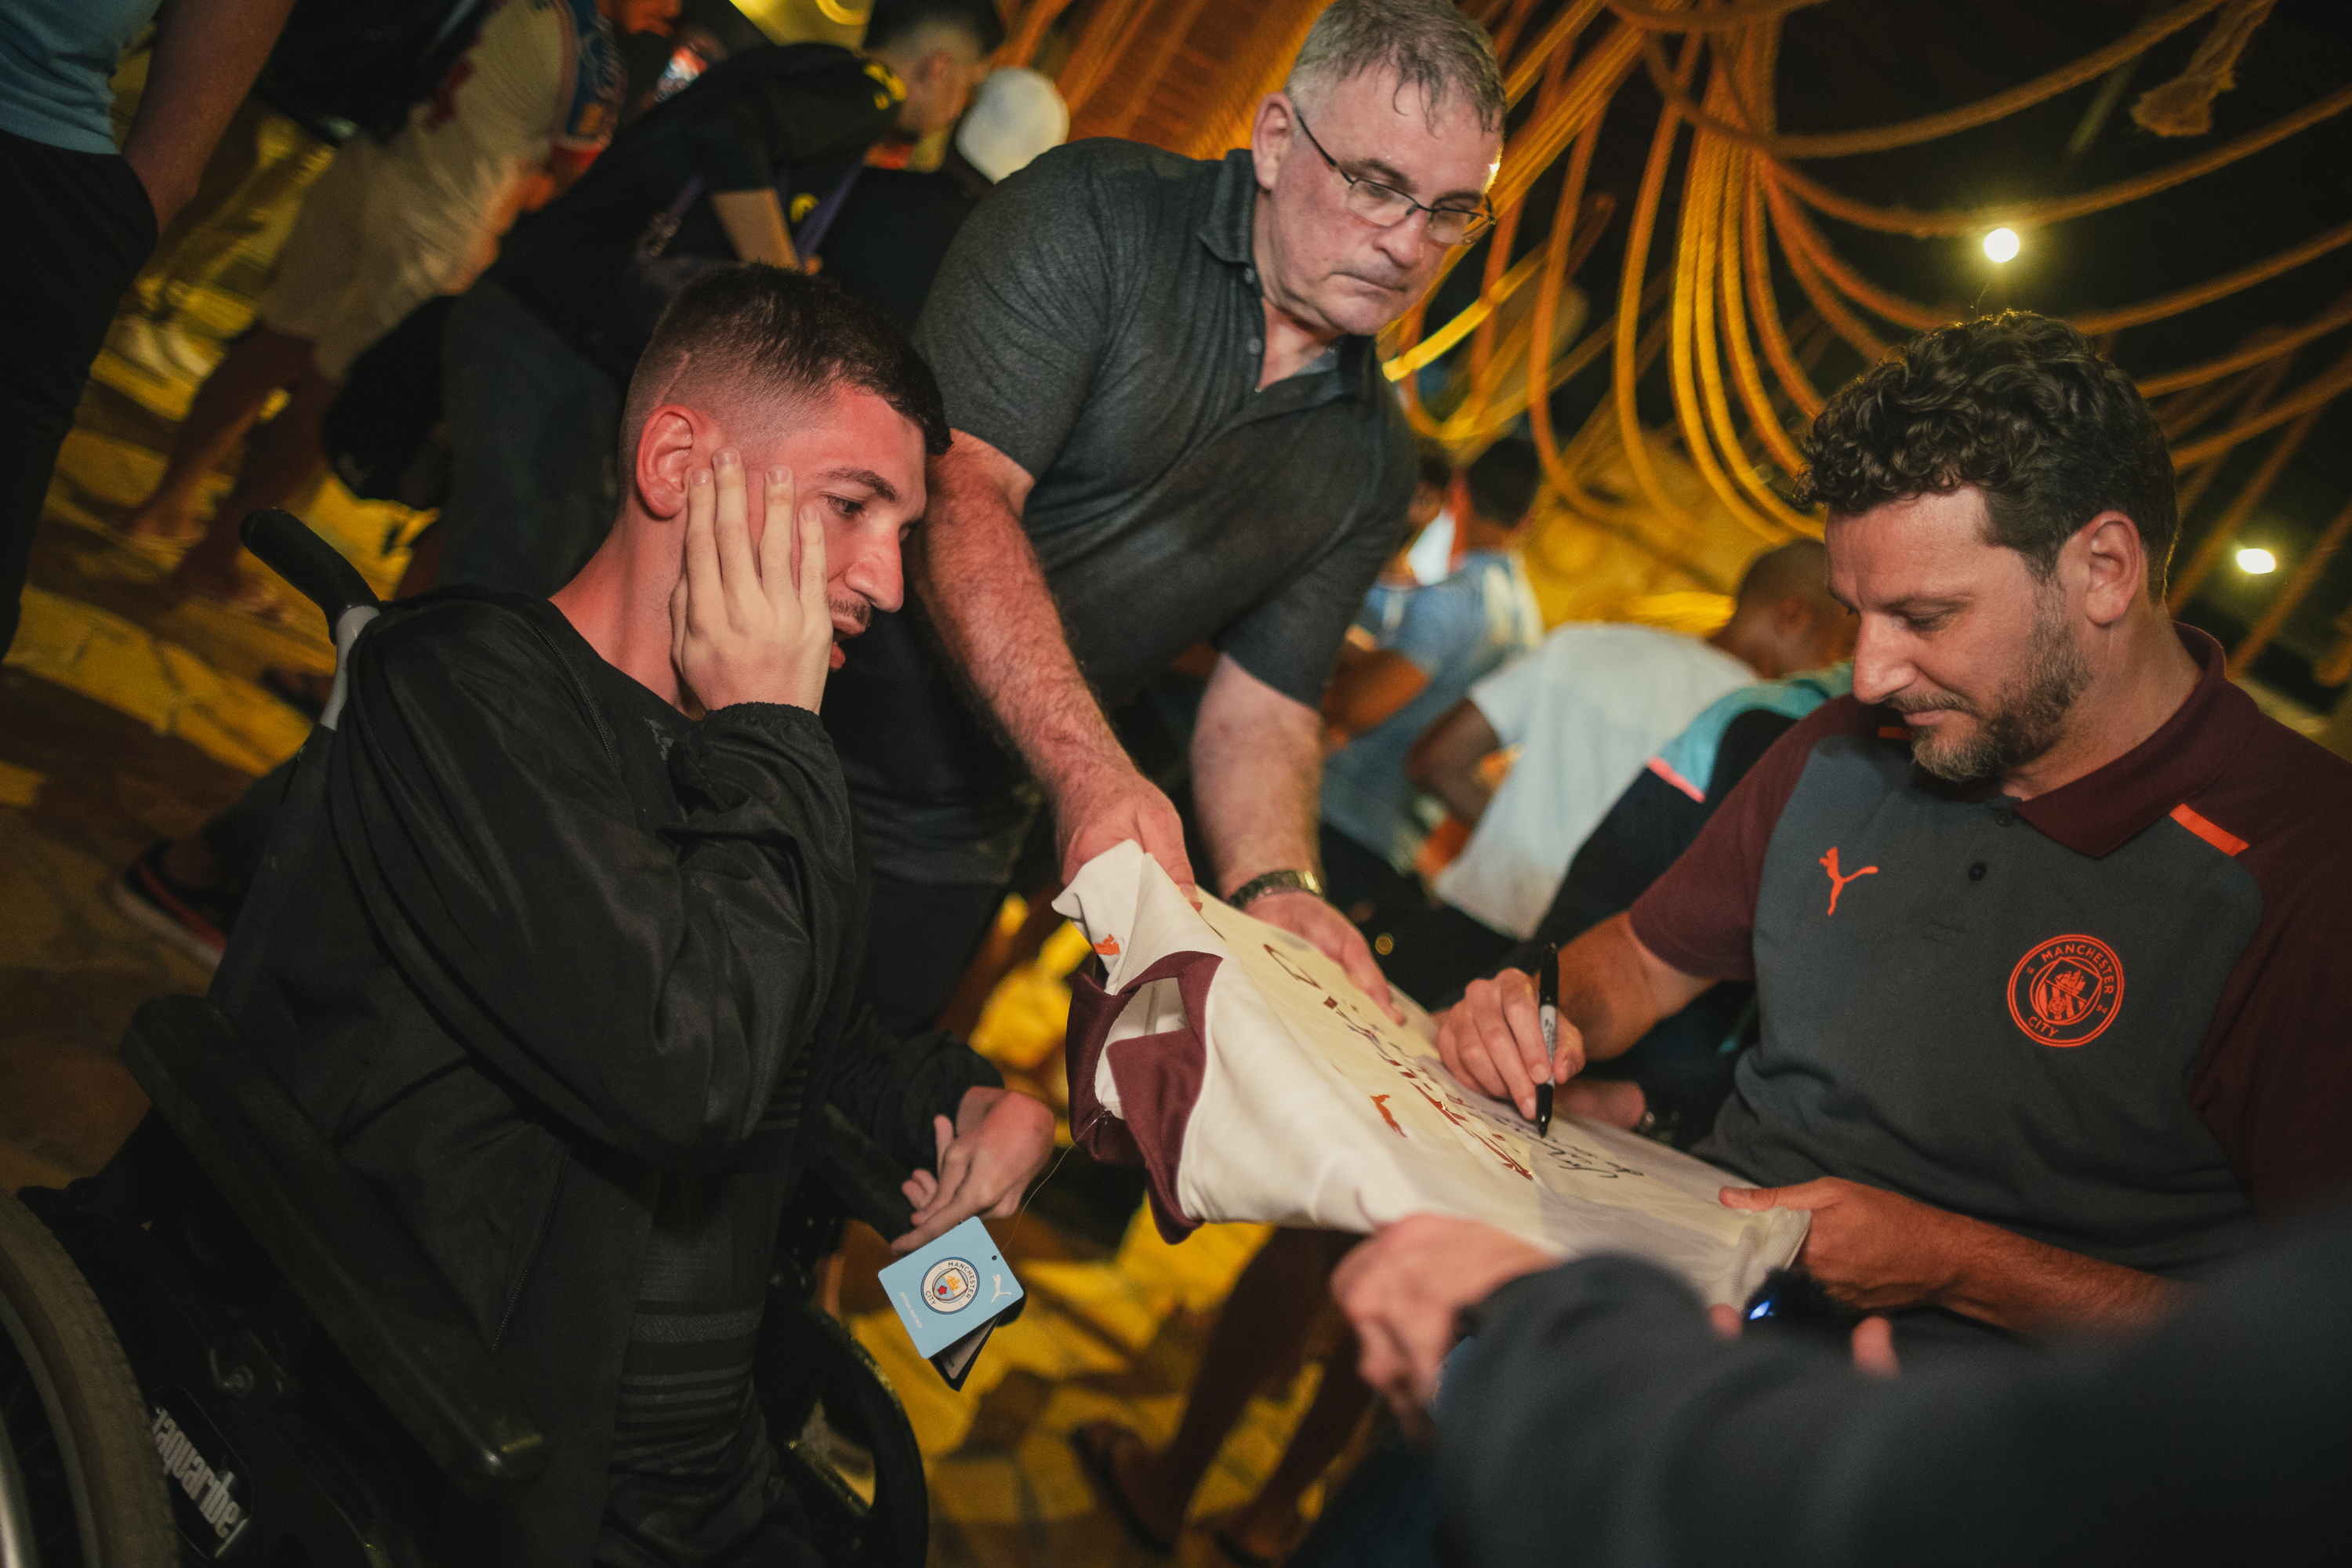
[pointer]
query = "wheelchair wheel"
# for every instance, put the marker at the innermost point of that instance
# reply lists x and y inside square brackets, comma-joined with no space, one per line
[79,1483]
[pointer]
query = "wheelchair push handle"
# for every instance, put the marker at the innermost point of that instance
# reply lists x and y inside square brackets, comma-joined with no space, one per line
[288,547]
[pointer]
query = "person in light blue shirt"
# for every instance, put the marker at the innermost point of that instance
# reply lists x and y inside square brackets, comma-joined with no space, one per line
[1439,642]
[82,217]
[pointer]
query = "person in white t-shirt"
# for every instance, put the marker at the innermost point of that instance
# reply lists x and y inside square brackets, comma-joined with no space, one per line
[1584,711]
[520,115]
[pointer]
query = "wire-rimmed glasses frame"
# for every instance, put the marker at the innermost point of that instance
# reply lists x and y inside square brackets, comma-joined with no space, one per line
[1384,206]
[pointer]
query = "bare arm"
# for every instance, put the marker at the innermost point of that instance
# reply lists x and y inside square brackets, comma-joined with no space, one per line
[1368,688]
[1254,772]
[1444,761]
[1613,990]
[1879,1251]
[1256,766]
[980,579]
[207,53]
[754,222]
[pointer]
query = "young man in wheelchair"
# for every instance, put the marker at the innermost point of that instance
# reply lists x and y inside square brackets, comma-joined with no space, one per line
[579,940]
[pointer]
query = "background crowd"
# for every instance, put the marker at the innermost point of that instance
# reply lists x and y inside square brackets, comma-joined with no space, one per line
[1137,608]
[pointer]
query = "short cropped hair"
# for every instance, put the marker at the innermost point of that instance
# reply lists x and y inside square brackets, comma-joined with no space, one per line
[2018,406]
[1797,569]
[895,21]
[1428,42]
[1504,479]
[794,336]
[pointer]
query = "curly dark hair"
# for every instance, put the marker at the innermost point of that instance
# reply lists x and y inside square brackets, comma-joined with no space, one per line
[2021,408]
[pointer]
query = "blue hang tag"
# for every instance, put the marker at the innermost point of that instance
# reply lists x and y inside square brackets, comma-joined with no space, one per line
[950,1292]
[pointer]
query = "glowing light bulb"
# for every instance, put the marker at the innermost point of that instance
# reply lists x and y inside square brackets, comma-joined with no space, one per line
[2256,562]
[2001,245]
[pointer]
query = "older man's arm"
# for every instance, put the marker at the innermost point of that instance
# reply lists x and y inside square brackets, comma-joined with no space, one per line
[980,579]
[1256,766]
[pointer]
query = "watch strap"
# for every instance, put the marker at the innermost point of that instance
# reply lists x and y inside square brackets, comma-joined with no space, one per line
[1256,887]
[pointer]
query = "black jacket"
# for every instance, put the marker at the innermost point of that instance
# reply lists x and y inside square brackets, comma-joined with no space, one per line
[558,939]
[1600,1422]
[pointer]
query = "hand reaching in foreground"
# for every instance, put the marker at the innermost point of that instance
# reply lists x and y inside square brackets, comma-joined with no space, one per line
[1493,1041]
[1301,913]
[743,630]
[998,1140]
[1405,1292]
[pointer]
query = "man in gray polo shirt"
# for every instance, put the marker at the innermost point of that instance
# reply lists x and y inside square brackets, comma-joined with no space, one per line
[1171,428]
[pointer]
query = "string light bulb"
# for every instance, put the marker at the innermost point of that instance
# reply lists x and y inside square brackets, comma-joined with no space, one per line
[2001,245]
[2254,561]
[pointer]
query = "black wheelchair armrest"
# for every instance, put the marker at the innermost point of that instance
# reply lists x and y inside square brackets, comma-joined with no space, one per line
[353,1263]
[861,1176]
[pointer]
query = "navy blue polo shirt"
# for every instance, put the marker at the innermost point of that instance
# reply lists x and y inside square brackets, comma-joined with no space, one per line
[2111,1018]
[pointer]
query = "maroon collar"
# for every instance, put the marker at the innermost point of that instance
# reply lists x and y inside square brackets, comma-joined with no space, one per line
[2104,809]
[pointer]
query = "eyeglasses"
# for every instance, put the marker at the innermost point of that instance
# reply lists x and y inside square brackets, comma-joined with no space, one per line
[1385,208]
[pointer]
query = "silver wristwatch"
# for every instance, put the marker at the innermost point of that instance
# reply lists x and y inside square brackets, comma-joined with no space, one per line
[1256,887]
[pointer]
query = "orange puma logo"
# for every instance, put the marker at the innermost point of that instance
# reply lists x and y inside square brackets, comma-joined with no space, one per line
[1837,883]
[1107,947]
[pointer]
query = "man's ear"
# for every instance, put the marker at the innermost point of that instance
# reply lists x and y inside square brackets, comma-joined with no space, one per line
[2116,566]
[1271,134]
[665,458]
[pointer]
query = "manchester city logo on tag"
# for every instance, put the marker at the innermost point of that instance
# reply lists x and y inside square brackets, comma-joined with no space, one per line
[950,1285]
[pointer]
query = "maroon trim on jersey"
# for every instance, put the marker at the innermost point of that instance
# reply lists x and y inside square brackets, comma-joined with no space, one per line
[2104,809]
[2272,1081]
[1159,1078]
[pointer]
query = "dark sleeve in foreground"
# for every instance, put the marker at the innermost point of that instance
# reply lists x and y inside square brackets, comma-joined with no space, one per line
[1601,1421]
[891,1089]
[1700,916]
[647,988]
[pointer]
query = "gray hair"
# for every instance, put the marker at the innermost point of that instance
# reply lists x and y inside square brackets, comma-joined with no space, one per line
[1428,42]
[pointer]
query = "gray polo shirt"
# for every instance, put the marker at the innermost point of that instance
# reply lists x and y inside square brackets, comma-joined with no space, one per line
[1099,319]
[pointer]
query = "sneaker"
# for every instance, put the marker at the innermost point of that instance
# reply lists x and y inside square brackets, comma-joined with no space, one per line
[193,920]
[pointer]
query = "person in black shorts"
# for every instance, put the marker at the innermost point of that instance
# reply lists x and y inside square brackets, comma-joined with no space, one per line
[82,217]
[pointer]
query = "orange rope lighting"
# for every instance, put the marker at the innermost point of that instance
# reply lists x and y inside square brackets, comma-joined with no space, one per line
[1910,132]
[2213,370]
[2056,209]
[1739,387]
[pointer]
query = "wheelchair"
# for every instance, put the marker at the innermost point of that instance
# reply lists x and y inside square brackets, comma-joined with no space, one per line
[225,1348]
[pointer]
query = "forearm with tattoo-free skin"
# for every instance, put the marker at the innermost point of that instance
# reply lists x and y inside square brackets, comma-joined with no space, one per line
[1877,1250]
[986,593]
[207,53]
[1880,1251]
[1256,765]
[1612,991]
[754,222]
[1444,761]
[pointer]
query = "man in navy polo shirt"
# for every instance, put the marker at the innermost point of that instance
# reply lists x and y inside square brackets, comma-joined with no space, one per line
[2045,918]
